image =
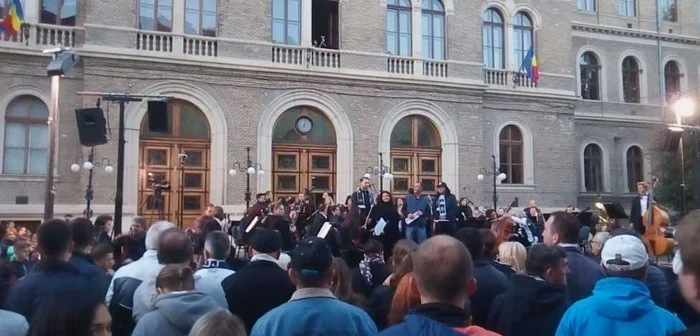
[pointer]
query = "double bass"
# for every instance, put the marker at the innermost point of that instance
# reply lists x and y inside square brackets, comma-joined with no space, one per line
[504,227]
[655,220]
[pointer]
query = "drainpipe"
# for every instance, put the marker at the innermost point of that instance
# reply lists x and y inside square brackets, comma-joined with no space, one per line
[662,89]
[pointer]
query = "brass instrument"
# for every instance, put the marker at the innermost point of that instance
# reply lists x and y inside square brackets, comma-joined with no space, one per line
[604,220]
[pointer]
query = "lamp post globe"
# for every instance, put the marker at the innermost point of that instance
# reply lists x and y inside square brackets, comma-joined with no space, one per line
[251,171]
[684,107]
[480,177]
[232,172]
[75,167]
[87,165]
[502,177]
[109,169]
[261,172]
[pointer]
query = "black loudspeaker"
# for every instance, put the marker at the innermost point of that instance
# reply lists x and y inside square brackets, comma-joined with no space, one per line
[671,140]
[92,126]
[157,116]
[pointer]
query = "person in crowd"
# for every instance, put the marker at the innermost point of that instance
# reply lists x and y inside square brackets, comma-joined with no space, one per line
[132,246]
[525,233]
[491,281]
[220,217]
[34,254]
[513,254]
[341,285]
[54,275]
[640,204]
[442,268]
[688,236]
[333,236]
[174,248]
[83,241]
[597,243]
[13,324]
[6,278]
[218,323]
[261,285]
[276,221]
[363,199]
[385,211]
[562,229]
[120,295]
[537,301]
[406,298]
[491,214]
[105,229]
[71,315]
[103,255]
[491,252]
[621,303]
[313,310]
[351,235]
[8,242]
[401,264]
[446,211]
[20,264]
[215,269]
[372,270]
[418,209]
[177,306]
[464,213]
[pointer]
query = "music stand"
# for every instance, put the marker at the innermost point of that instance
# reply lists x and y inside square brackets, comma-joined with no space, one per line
[615,210]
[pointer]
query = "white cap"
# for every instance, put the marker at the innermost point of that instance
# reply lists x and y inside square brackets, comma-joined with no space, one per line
[624,253]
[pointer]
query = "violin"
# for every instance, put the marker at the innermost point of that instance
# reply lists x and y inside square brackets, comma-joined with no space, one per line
[655,220]
[504,227]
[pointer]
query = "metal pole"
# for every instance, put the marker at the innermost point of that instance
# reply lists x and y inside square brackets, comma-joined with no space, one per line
[495,192]
[680,147]
[89,191]
[182,192]
[247,182]
[381,173]
[53,134]
[119,197]
[659,58]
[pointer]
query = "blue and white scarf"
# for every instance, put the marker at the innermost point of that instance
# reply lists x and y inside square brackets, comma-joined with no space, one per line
[366,269]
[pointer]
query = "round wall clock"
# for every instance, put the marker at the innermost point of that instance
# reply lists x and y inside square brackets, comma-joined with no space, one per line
[303,125]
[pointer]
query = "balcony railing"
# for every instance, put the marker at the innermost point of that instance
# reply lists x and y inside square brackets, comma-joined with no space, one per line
[433,68]
[154,41]
[200,46]
[502,77]
[288,55]
[54,35]
[400,65]
[311,57]
[325,58]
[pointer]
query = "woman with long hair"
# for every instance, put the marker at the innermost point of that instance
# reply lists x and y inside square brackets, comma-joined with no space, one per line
[385,211]
[406,297]
[73,314]
[464,213]
[341,285]
[401,263]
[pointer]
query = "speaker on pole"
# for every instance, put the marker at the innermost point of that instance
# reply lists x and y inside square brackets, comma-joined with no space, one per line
[92,126]
[158,116]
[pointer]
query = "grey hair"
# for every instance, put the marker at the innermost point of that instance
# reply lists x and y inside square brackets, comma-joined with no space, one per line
[154,233]
[517,213]
[218,323]
[218,245]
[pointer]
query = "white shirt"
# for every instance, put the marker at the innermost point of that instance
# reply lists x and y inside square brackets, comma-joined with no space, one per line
[644,200]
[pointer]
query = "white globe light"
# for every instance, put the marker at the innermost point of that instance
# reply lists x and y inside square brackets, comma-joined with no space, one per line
[87,165]
[501,176]
[368,175]
[75,167]
[109,169]
[261,172]
[389,176]
[480,177]
[232,172]
[684,107]
[251,170]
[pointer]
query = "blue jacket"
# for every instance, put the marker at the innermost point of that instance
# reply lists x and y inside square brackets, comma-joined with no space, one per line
[314,311]
[584,274]
[414,204]
[618,306]
[88,270]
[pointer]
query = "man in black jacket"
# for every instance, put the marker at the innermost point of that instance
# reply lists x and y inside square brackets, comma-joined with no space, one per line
[490,281]
[276,221]
[52,276]
[261,285]
[537,301]
[640,204]
[445,211]
[83,240]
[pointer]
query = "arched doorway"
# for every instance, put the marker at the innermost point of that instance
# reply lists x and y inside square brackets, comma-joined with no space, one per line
[416,152]
[160,160]
[304,154]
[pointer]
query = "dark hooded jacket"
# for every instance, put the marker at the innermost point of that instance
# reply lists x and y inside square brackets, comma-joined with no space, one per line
[533,307]
[175,314]
[436,319]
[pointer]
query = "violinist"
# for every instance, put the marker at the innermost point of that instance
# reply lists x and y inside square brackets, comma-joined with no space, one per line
[276,221]
[464,213]
[640,204]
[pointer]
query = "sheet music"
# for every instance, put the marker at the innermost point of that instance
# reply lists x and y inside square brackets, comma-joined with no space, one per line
[379,228]
[409,221]
[324,230]
[252,224]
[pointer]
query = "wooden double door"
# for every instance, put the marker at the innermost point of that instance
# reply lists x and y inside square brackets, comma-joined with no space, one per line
[304,169]
[162,163]
[411,166]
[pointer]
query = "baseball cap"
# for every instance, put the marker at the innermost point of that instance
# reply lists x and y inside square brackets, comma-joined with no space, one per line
[624,253]
[266,241]
[312,257]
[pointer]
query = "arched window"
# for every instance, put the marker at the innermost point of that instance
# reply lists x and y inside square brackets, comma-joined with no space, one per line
[587,5]
[593,168]
[184,121]
[672,81]
[286,22]
[156,15]
[630,80]
[590,76]
[522,33]
[26,137]
[635,167]
[58,12]
[433,26]
[511,154]
[493,39]
[200,17]
[627,7]
[416,151]
[321,131]
[398,27]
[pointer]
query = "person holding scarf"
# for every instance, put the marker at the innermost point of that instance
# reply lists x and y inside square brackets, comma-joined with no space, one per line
[445,211]
[363,198]
[386,211]
[372,270]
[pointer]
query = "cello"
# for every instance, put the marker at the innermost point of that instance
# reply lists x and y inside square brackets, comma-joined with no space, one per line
[503,227]
[655,220]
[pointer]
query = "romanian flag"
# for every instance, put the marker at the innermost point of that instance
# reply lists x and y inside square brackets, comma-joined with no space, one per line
[530,65]
[13,20]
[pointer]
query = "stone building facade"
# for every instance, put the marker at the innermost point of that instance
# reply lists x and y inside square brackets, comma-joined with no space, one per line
[432,85]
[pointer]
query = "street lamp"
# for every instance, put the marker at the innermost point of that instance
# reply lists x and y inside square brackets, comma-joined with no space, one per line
[89,165]
[497,177]
[683,107]
[249,168]
[382,172]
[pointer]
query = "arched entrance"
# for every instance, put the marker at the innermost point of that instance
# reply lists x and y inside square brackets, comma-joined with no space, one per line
[160,161]
[416,152]
[303,154]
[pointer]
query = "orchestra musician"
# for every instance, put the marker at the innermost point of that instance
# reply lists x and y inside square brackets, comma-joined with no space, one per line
[640,204]
[363,199]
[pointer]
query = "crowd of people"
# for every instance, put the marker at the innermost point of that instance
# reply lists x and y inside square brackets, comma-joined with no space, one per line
[374,267]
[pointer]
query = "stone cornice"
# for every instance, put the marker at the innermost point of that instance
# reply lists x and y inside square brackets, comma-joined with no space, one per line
[649,35]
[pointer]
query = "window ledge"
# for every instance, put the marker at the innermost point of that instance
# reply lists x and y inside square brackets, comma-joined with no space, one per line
[25,178]
[516,187]
[590,12]
[594,194]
